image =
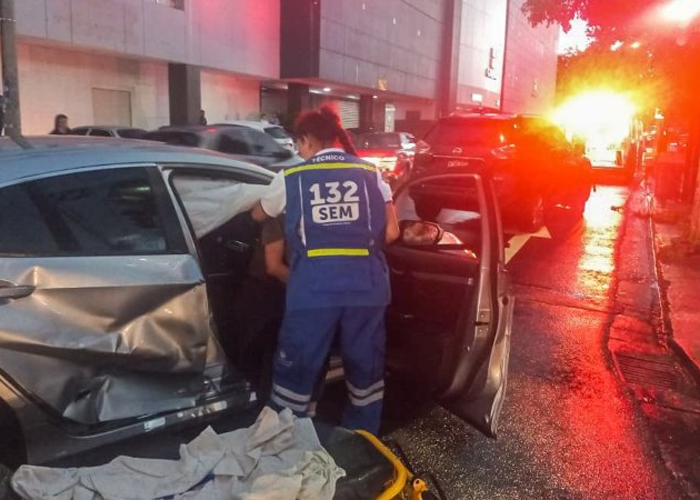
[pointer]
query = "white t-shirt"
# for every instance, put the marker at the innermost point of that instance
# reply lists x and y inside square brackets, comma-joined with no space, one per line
[274,200]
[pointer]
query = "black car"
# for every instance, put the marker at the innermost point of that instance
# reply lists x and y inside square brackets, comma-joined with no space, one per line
[125,284]
[536,169]
[241,143]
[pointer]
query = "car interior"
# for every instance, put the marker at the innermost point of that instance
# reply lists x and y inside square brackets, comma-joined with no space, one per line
[433,284]
[248,308]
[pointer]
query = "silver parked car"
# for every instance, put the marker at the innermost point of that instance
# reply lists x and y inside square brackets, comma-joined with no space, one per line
[109,131]
[120,264]
[241,143]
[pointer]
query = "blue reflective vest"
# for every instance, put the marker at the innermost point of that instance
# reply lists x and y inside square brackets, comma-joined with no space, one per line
[335,225]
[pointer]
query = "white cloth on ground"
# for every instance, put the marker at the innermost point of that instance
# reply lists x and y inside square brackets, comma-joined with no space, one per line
[277,458]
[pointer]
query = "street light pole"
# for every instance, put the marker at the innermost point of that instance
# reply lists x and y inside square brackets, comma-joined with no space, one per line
[13,126]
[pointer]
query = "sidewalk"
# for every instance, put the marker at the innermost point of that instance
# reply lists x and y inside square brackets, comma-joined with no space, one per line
[678,267]
[679,276]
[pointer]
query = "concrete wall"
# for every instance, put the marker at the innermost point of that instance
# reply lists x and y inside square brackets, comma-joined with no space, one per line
[397,42]
[531,65]
[240,36]
[226,97]
[54,80]
[483,29]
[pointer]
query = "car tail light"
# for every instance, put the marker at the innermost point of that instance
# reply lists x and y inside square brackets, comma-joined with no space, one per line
[504,152]
[383,162]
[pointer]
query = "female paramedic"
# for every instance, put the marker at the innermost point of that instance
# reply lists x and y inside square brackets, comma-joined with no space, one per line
[339,216]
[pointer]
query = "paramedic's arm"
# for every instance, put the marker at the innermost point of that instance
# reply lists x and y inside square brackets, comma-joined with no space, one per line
[392,224]
[273,201]
[274,261]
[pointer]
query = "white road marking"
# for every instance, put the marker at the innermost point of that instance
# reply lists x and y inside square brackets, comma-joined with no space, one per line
[517,242]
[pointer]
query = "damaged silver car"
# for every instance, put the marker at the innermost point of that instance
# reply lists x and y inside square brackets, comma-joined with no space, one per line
[121,264]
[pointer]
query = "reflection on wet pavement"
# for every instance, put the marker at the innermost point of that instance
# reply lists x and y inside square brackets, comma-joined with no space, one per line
[568,431]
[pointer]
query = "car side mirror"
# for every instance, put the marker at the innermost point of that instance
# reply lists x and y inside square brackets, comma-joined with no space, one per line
[416,233]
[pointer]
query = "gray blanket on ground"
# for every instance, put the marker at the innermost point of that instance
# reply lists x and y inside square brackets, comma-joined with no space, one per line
[277,458]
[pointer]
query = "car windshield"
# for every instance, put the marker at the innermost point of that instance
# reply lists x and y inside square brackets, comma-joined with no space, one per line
[454,132]
[277,133]
[378,141]
[132,133]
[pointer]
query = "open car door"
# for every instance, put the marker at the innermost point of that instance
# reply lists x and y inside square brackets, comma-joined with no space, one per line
[449,323]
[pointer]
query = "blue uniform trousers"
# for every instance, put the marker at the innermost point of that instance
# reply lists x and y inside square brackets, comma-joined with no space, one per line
[304,343]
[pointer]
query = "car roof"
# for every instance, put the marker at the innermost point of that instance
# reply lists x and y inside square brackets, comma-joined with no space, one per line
[252,124]
[52,154]
[108,127]
[186,128]
[480,116]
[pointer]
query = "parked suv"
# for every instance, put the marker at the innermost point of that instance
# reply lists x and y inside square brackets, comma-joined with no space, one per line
[536,169]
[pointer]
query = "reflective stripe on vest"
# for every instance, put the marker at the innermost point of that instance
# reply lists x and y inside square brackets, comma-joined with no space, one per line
[336,252]
[328,166]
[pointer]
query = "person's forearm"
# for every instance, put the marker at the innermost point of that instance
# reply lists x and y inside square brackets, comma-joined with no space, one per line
[280,272]
[392,224]
[258,214]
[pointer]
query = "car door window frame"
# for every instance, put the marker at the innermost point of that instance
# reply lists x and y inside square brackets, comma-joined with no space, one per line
[168,171]
[485,312]
[172,230]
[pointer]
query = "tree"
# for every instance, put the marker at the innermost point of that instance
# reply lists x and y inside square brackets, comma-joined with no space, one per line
[658,58]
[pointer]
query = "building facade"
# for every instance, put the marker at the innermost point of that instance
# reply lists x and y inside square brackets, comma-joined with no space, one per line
[118,61]
[383,63]
[531,64]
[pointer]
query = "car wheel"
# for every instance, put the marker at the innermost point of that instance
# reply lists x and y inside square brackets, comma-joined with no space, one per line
[532,219]
[6,490]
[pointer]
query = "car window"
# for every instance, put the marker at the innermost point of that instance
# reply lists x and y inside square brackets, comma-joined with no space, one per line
[131,133]
[23,228]
[102,212]
[234,142]
[176,138]
[79,131]
[460,132]
[262,144]
[277,133]
[451,202]
[379,141]
[540,133]
[98,132]
[212,200]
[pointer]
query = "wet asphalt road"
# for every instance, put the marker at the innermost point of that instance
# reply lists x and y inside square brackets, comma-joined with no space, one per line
[568,430]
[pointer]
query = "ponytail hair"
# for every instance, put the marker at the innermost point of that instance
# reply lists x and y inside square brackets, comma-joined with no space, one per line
[324,124]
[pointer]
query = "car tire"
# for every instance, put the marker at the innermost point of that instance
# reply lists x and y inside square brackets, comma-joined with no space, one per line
[532,218]
[6,491]
[13,451]
[578,206]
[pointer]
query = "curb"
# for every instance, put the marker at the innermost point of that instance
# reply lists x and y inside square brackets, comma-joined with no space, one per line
[664,309]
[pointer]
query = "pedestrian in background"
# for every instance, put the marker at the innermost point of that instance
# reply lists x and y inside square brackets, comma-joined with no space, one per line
[202,117]
[339,216]
[60,125]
